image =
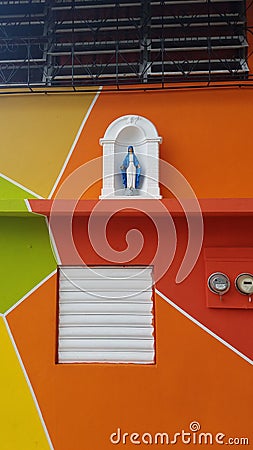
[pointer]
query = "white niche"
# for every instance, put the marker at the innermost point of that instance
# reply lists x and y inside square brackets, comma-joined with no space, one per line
[142,135]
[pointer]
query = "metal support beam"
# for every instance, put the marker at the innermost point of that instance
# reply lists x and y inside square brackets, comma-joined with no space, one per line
[74,43]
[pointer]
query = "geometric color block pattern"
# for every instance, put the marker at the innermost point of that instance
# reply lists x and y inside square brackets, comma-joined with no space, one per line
[82,404]
[20,425]
[27,257]
[9,190]
[37,133]
[12,197]
[196,376]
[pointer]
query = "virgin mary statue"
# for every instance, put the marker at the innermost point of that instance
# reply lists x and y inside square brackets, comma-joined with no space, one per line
[130,170]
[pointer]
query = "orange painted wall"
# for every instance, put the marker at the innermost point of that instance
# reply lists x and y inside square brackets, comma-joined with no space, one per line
[196,378]
[249,12]
[206,135]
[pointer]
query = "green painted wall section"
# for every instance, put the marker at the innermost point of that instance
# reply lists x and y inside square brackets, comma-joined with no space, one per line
[12,197]
[10,190]
[26,257]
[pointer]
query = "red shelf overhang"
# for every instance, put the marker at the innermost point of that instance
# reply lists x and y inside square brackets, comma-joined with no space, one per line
[208,207]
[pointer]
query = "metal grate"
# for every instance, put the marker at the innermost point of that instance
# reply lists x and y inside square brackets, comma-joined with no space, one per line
[89,43]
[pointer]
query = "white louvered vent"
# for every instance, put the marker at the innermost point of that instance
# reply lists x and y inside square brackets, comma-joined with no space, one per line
[106,314]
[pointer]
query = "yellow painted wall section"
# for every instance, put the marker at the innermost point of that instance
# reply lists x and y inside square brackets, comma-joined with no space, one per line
[20,424]
[37,132]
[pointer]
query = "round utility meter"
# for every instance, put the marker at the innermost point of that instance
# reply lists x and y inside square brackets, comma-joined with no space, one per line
[244,283]
[219,283]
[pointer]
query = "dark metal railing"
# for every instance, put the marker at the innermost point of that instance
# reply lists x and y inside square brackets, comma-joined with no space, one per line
[124,43]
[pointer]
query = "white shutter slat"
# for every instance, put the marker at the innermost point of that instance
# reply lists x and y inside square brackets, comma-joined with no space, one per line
[116,357]
[98,272]
[105,285]
[106,344]
[105,319]
[106,315]
[111,296]
[106,332]
[106,308]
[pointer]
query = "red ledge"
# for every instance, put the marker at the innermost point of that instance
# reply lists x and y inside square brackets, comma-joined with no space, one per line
[208,206]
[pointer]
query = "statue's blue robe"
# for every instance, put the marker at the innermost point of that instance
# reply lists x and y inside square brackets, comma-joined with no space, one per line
[125,165]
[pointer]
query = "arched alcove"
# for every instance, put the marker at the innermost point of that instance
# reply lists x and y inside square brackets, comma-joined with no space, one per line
[142,135]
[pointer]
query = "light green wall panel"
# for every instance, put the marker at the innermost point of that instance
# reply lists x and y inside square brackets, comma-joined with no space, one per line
[26,257]
[10,190]
[12,197]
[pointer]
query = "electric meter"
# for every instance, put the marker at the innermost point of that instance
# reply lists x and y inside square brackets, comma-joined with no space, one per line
[244,283]
[219,283]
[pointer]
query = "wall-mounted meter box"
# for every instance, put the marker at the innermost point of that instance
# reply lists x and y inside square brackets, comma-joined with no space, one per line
[228,275]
